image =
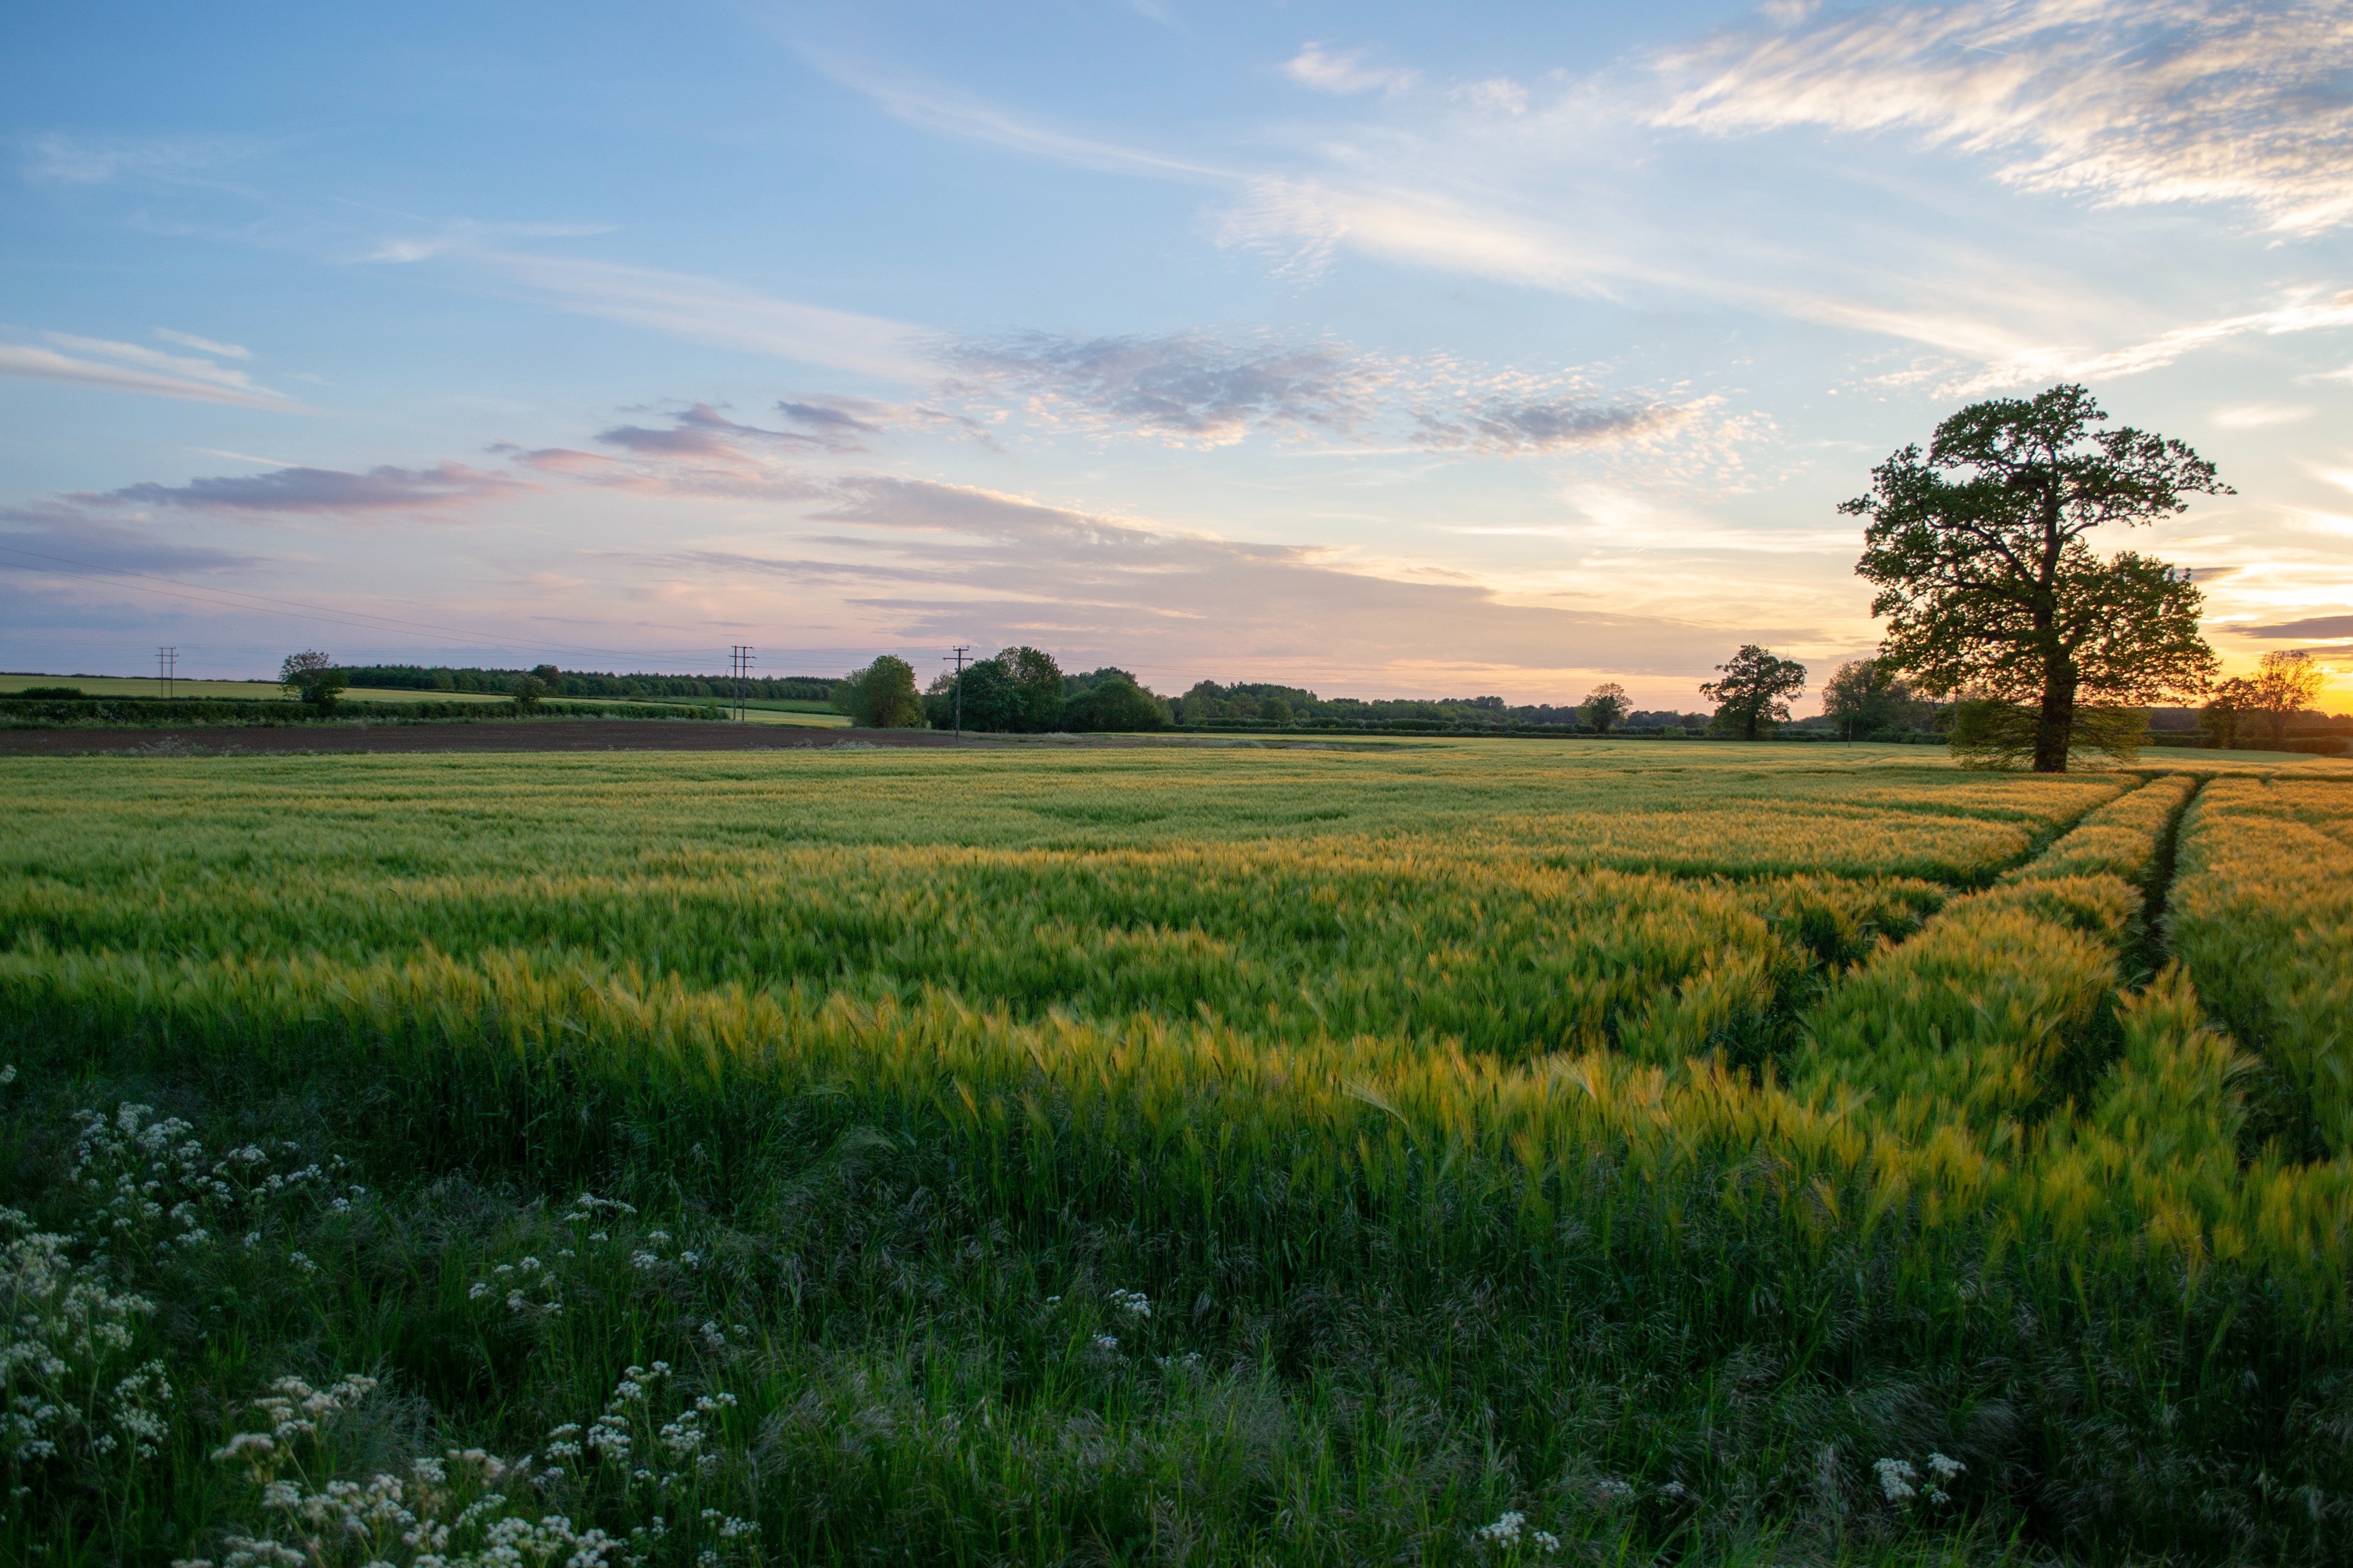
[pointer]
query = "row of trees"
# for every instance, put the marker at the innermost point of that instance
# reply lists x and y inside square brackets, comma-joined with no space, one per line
[1016,690]
[551,682]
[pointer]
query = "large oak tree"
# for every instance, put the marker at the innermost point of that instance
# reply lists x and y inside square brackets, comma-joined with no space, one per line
[1987,582]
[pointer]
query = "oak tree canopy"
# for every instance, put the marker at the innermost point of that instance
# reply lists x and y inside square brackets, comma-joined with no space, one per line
[1990,590]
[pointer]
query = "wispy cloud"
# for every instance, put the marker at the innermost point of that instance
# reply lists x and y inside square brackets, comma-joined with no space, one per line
[1520,426]
[2306,311]
[323,490]
[55,158]
[935,108]
[1189,388]
[843,423]
[705,311]
[204,345]
[177,365]
[2260,415]
[702,432]
[1198,390]
[139,369]
[1329,71]
[2311,626]
[1304,220]
[2128,102]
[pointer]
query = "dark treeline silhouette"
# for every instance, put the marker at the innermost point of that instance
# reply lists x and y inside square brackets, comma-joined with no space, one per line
[554,682]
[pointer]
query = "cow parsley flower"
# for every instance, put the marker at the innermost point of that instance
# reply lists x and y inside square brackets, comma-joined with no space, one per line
[1505,1531]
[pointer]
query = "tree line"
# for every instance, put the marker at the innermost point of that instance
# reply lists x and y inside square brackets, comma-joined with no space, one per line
[2006,630]
[554,682]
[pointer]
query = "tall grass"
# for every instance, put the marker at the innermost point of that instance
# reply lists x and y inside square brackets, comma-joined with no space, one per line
[1463,1173]
[2262,914]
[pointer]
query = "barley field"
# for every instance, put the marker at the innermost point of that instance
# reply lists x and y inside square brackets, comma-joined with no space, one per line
[1470,1153]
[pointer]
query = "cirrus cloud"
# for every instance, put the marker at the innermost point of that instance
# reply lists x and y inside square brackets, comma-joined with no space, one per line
[2130,102]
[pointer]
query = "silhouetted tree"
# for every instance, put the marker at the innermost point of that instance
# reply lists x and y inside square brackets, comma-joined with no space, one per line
[1604,705]
[2285,684]
[2226,710]
[1989,586]
[1754,691]
[1863,698]
[313,678]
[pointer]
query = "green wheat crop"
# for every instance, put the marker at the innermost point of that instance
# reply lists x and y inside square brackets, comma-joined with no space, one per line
[1210,1156]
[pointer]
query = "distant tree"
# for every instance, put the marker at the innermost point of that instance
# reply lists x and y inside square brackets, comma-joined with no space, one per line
[2285,684]
[882,696]
[1275,711]
[550,678]
[1754,691]
[1865,698]
[1604,705]
[1114,704]
[1989,586]
[1040,681]
[313,678]
[2227,710]
[995,701]
[528,691]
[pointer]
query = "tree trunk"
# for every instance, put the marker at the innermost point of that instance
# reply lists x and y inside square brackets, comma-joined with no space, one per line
[2056,725]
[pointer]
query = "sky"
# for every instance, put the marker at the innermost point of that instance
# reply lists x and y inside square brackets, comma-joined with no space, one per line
[1386,350]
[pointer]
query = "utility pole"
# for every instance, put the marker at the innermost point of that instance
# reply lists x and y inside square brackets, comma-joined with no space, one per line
[962,648]
[167,669]
[739,667]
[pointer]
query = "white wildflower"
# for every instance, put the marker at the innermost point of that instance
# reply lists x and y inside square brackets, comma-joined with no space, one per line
[1505,1531]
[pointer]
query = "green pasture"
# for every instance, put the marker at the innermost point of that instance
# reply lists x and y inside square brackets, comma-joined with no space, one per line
[1480,1152]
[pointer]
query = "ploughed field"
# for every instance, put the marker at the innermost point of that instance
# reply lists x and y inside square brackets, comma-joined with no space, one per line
[1474,1153]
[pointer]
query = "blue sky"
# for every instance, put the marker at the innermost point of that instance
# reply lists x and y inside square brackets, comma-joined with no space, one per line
[1387,350]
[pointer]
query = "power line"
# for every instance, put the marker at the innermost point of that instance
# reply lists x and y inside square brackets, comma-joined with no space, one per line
[962,648]
[739,666]
[167,664]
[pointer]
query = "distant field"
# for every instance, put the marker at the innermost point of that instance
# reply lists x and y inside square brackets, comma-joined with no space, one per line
[1702,1152]
[239,690]
[780,711]
[145,686]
